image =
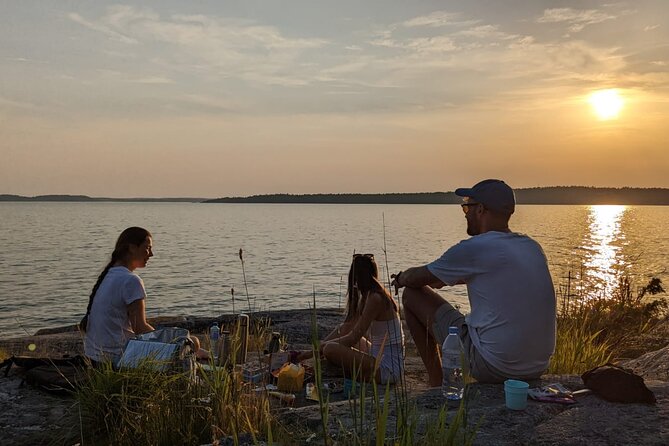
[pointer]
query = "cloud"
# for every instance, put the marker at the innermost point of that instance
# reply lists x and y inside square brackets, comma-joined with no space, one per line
[487,32]
[437,18]
[101,28]
[426,61]
[436,44]
[153,80]
[651,27]
[577,19]
[225,47]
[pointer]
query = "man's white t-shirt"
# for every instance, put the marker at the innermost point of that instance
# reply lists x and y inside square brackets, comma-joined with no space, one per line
[512,319]
[109,327]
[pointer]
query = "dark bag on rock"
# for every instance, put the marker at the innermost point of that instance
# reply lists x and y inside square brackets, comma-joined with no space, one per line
[52,374]
[618,385]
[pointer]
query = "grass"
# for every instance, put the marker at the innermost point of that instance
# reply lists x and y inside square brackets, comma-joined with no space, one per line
[142,407]
[371,421]
[594,330]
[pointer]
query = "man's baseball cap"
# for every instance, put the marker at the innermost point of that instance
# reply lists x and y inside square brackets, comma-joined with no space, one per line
[495,195]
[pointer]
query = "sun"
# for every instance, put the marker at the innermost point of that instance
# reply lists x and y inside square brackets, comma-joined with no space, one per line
[606,103]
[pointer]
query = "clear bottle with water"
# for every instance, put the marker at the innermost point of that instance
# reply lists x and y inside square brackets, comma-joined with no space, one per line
[214,334]
[452,384]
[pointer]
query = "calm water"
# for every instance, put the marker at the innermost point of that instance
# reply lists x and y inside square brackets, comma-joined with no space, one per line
[52,252]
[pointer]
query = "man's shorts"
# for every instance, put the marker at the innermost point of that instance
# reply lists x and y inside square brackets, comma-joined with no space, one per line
[447,316]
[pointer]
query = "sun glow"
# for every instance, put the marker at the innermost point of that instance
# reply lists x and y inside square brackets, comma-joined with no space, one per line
[606,103]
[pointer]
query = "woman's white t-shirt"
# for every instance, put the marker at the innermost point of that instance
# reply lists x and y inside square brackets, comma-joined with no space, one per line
[109,326]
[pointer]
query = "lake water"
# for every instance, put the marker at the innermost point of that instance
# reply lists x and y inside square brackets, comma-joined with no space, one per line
[52,253]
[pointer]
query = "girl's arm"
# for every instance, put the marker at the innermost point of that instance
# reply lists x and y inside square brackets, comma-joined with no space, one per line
[373,307]
[137,316]
[342,330]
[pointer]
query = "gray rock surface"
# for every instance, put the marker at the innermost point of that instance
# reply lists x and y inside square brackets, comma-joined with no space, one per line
[28,414]
[653,365]
[591,421]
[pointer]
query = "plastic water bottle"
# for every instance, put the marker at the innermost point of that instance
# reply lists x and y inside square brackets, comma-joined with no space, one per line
[452,384]
[214,334]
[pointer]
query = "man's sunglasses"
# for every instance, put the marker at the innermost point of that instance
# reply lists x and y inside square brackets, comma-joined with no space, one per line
[355,256]
[466,206]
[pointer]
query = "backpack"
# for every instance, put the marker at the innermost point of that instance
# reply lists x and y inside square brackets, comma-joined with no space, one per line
[164,350]
[618,385]
[59,375]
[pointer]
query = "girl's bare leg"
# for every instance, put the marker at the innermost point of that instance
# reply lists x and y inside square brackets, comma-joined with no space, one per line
[352,361]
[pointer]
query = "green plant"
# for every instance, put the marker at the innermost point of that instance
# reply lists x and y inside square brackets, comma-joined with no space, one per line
[577,349]
[594,330]
[141,406]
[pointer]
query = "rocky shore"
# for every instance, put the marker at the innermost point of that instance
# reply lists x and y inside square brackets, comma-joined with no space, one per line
[29,415]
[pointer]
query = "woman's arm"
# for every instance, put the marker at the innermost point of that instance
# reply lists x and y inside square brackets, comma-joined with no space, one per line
[342,330]
[373,307]
[137,316]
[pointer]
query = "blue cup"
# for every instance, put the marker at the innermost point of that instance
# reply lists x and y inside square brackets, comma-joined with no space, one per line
[350,387]
[515,393]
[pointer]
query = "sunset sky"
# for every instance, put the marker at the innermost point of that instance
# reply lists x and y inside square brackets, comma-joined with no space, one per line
[221,98]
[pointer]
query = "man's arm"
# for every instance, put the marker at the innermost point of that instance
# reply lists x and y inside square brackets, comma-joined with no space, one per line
[417,277]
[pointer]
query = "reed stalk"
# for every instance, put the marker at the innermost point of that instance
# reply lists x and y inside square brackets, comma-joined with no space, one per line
[246,287]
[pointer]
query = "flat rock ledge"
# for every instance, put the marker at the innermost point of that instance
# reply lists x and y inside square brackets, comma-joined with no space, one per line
[28,415]
[591,421]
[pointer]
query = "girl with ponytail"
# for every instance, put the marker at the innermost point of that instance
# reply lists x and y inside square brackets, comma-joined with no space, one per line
[116,309]
[369,344]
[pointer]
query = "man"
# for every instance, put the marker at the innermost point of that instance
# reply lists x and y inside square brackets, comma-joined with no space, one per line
[510,332]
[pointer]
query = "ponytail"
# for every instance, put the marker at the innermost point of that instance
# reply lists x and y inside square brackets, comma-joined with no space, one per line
[101,277]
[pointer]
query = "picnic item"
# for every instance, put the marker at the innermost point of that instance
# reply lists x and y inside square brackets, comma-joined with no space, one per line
[253,372]
[223,348]
[351,387]
[165,349]
[291,378]
[287,398]
[59,375]
[552,393]
[515,394]
[452,384]
[311,392]
[619,385]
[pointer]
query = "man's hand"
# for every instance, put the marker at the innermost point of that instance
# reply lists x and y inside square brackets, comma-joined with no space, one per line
[415,278]
[395,282]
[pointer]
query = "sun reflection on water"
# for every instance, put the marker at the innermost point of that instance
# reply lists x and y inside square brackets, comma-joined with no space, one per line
[602,259]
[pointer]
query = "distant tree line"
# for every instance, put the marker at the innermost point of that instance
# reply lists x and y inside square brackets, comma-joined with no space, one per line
[85,198]
[534,195]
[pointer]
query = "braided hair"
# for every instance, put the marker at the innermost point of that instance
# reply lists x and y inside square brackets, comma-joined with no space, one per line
[131,236]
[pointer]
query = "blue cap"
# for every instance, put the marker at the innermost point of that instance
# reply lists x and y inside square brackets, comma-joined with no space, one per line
[495,195]
[452,330]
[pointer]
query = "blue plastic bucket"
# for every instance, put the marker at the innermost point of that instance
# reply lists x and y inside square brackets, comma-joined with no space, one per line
[515,393]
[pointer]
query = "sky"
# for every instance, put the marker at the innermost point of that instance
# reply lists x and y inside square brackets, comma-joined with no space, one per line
[232,98]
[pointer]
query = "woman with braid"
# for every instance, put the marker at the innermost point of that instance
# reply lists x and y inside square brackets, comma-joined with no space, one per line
[116,309]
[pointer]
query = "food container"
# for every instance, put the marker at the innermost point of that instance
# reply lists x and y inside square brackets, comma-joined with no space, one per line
[291,378]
